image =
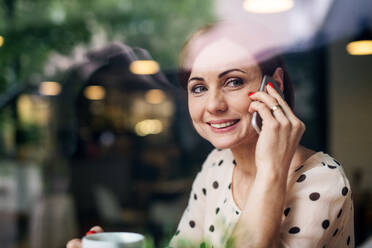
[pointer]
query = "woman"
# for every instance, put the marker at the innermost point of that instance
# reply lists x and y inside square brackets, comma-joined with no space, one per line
[255,190]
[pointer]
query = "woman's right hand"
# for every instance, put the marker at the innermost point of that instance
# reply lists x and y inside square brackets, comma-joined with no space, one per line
[76,243]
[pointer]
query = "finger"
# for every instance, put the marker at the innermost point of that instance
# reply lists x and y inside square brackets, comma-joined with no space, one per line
[297,125]
[286,109]
[97,229]
[265,98]
[264,112]
[74,243]
[280,116]
[271,101]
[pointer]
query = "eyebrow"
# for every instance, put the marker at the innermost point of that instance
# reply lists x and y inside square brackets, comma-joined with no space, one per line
[219,75]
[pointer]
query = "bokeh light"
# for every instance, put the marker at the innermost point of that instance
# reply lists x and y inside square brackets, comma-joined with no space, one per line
[155,96]
[144,67]
[149,126]
[95,92]
[361,47]
[49,88]
[1,40]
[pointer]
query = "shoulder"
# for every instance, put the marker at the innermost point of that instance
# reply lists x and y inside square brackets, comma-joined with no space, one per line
[318,207]
[320,173]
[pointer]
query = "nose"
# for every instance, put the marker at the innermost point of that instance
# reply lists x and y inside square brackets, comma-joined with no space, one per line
[216,103]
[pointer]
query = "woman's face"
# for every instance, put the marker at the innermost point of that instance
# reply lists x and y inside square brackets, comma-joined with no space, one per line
[222,76]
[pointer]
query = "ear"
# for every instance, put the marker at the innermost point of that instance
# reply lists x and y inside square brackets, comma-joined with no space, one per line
[279,77]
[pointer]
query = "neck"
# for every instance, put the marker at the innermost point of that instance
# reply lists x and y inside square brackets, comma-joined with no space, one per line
[245,158]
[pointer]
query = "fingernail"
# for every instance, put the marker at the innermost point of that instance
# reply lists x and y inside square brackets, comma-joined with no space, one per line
[271,85]
[90,232]
[251,93]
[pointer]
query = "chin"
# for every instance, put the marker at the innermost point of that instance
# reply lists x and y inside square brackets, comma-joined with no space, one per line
[233,143]
[225,144]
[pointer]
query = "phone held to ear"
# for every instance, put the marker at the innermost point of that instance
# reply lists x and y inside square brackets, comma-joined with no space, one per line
[256,119]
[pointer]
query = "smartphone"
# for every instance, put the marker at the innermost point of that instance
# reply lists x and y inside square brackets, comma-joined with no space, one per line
[256,118]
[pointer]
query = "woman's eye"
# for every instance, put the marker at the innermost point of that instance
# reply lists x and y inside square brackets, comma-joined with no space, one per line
[197,89]
[236,82]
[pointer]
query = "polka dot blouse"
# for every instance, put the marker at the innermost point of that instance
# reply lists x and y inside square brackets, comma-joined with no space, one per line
[318,211]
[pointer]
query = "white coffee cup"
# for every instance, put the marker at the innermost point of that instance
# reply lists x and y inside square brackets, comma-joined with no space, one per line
[114,240]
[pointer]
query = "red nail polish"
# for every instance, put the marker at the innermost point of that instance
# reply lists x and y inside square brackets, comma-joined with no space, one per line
[271,85]
[90,232]
[251,93]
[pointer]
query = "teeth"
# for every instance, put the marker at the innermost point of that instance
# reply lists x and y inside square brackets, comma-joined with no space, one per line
[222,125]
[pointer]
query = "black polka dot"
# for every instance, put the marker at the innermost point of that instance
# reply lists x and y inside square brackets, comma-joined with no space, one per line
[323,164]
[337,162]
[215,184]
[344,191]
[204,191]
[314,196]
[299,168]
[339,213]
[177,232]
[301,178]
[348,240]
[334,234]
[325,224]
[332,167]
[211,228]
[221,161]
[286,211]
[237,212]
[192,223]
[195,197]
[294,230]
[230,186]
[234,162]
[217,210]
[225,200]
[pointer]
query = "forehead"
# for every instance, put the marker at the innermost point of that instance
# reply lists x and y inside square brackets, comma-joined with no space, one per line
[223,54]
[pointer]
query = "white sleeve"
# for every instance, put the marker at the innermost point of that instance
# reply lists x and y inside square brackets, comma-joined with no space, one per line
[318,210]
[190,229]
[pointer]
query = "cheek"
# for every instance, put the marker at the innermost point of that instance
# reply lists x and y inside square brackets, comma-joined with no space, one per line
[194,109]
[240,102]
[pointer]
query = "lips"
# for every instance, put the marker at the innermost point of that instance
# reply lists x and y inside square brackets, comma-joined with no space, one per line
[220,124]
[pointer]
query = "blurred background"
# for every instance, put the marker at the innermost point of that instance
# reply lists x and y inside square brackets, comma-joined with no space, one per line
[94,129]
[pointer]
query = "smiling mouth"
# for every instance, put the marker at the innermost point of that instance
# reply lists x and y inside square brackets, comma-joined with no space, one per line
[224,124]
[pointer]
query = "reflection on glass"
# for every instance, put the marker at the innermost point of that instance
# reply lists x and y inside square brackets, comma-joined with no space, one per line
[95,92]
[50,88]
[267,6]
[144,67]
[1,40]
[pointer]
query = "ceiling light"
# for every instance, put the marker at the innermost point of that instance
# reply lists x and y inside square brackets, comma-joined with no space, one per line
[362,44]
[144,67]
[267,6]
